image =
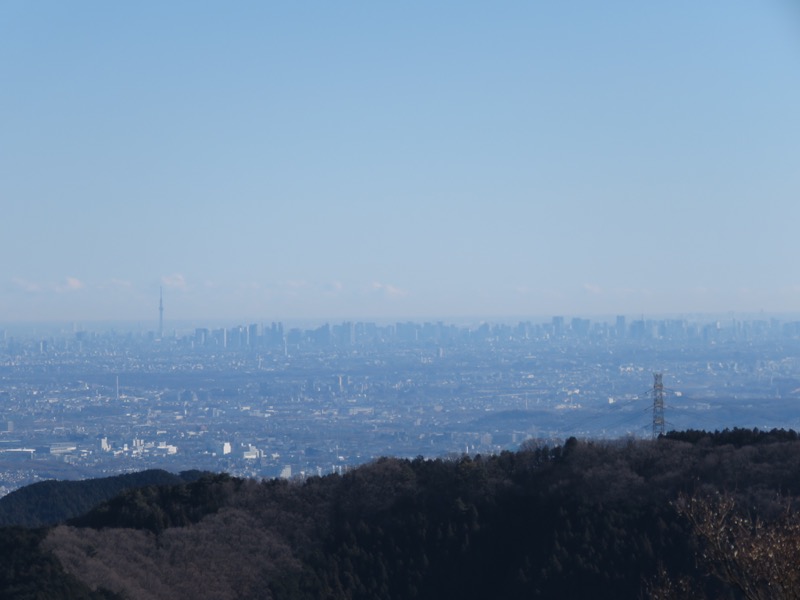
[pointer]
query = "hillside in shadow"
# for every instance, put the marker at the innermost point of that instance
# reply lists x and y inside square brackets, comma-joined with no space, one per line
[622,519]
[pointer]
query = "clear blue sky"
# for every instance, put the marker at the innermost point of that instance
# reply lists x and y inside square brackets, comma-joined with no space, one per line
[277,160]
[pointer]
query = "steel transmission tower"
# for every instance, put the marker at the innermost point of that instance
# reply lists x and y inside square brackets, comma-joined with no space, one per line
[658,405]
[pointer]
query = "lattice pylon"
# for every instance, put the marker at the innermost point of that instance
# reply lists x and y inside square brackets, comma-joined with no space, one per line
[658,405]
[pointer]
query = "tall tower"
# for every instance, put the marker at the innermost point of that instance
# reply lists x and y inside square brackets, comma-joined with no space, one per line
[160,313]
[658,405]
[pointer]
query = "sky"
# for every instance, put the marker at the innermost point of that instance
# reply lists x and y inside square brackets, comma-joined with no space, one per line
[378,160]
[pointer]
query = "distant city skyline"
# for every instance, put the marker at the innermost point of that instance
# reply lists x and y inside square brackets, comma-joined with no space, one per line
[400,161]
[596,326]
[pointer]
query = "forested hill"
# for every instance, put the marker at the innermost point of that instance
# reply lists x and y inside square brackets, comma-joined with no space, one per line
[690,515]
[51,502]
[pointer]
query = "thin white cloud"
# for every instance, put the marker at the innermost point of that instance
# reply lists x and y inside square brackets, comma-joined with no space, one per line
[593,288]
[250,286]
[176,281]
[387,289]
[25,285]
[295,284]
[70,284]
[292,288]
[333,288]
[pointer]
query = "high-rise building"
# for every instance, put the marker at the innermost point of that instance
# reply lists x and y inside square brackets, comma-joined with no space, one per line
[620,328]
[558,326]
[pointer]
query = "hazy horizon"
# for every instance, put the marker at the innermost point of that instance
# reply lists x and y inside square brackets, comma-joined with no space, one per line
[185,326]
[405,159]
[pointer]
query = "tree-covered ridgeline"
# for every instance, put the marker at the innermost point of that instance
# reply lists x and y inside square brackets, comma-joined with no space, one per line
[51,502]
[612,519]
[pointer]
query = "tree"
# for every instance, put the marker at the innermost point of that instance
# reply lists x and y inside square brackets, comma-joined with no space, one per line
[759,558]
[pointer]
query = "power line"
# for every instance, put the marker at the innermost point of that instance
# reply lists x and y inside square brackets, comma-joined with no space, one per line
[658,405]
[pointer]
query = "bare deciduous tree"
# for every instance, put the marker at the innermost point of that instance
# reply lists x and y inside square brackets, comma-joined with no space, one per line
[759,558]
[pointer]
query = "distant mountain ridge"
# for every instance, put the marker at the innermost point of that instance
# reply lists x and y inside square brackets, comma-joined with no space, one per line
[50,502]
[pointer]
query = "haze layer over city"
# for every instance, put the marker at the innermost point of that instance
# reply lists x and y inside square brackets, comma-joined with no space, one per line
[265,400]
[390,229]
